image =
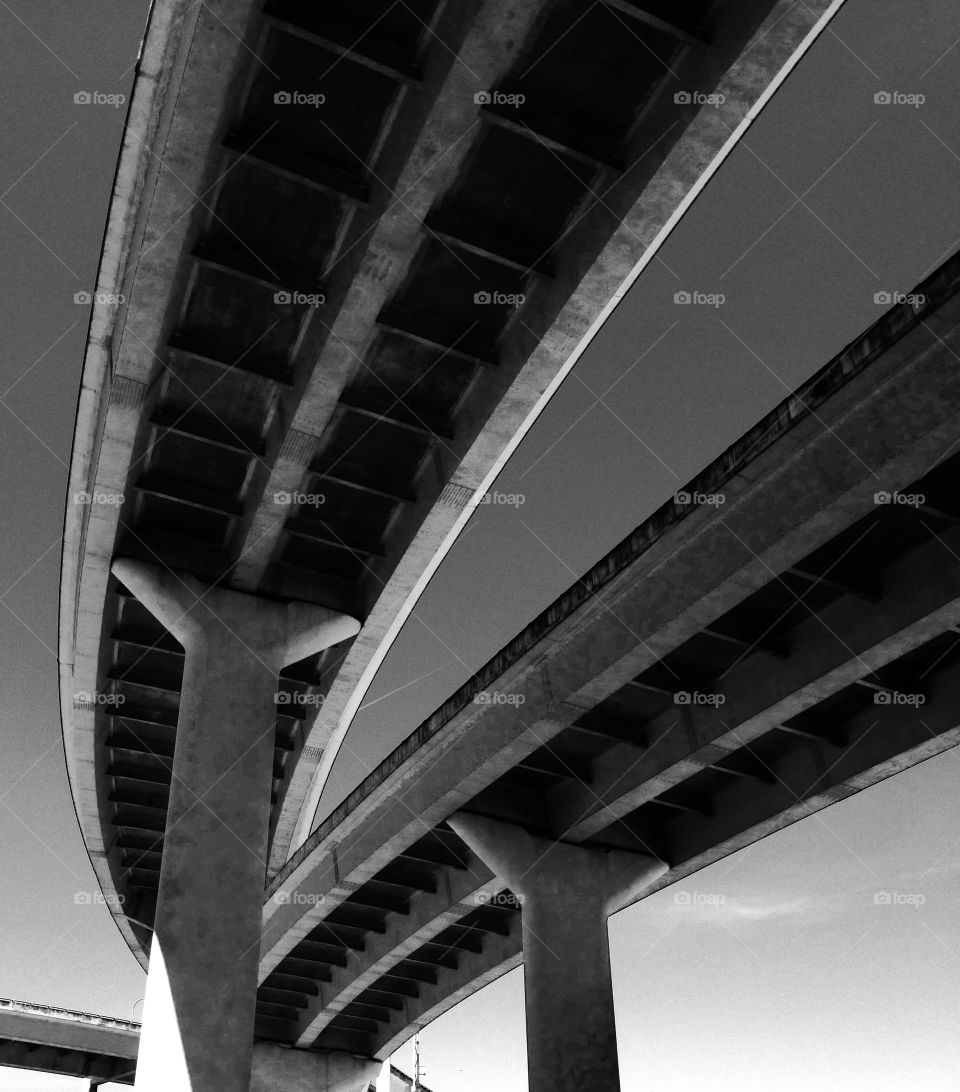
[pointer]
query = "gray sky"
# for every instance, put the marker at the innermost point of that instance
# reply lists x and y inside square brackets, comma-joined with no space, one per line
[789,974]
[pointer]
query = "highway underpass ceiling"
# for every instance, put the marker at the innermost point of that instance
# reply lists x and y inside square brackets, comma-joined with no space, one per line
[831,199]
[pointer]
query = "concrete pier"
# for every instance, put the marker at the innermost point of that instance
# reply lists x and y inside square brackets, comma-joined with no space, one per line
[281,1069]
[567,892]
[200,1001]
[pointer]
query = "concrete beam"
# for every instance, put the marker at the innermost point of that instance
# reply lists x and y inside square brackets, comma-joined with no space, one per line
[841,644]
[417,163]
[883,741]
[499,955]
[429,915]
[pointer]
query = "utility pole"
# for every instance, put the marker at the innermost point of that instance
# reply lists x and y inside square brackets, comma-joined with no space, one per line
[416,1063]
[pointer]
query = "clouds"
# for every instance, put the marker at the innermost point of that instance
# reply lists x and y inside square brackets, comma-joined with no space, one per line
[726,904]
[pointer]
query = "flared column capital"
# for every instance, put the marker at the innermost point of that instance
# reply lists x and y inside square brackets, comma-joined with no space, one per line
[532,866]
[276,633]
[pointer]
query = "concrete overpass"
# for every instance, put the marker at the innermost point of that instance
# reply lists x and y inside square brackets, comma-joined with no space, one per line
[103,1049]
[74,1044]
[782,634]
[346,255]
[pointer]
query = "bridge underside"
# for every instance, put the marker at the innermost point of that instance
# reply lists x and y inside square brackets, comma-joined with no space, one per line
[725,671]
[355,246]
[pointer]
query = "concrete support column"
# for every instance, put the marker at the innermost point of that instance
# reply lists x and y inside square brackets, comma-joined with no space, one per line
[567,894]
[201,989]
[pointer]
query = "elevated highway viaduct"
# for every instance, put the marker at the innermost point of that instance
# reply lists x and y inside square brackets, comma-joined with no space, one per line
[727,669]
[348,250]
[45,1039]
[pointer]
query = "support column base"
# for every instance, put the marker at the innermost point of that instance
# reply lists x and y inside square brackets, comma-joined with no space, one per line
[283,1069]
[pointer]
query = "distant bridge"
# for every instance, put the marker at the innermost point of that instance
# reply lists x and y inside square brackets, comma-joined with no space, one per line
[75,1044]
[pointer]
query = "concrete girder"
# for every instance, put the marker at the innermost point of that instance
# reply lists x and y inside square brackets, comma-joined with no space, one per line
[599,264]
[832,649]
[429,915]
